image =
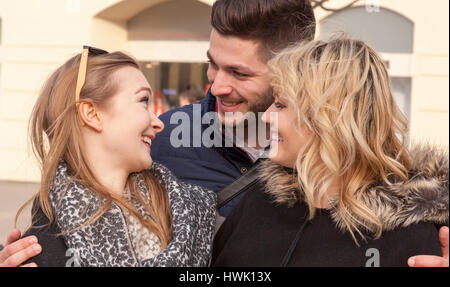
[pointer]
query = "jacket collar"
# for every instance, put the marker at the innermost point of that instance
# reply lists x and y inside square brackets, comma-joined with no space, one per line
[424,198]
[193,211]
[210,103]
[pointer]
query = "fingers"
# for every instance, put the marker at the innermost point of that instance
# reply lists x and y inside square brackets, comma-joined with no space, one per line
[427,261]
[32,264]
[23,255]
[443,239]
[16,246]
[13,236]
[18,252]
[433,261]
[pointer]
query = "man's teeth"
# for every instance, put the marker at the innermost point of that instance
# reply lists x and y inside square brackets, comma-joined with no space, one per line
[230,104]
[146,140]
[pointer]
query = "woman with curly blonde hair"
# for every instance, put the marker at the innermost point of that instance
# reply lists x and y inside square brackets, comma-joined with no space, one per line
[342,188]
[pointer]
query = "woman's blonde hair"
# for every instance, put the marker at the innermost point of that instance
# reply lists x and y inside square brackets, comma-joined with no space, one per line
[56,132]
[341,90]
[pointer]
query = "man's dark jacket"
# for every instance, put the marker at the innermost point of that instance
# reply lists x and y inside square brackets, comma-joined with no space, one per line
[210,167]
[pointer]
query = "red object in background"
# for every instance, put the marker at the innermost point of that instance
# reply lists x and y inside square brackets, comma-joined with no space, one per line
[158,104]
[207,89]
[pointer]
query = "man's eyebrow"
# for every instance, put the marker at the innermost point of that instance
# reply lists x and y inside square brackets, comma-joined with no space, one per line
[149,90]
[232,67]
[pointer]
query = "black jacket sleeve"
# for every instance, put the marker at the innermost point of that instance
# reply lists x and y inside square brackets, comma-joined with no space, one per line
[53,247]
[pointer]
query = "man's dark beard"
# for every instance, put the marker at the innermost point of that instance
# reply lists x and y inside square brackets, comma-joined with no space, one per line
[260,106]
[263,103]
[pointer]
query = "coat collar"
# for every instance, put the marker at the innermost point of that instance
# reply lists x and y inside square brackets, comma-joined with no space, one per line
[424,198]
[193,211]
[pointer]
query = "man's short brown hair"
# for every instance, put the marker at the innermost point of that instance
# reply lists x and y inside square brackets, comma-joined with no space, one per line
[276,24]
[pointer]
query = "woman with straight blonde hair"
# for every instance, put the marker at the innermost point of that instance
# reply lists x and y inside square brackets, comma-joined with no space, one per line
[341,187]
[91,129]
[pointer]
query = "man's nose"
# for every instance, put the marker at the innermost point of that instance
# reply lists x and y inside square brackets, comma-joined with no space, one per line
[221,85]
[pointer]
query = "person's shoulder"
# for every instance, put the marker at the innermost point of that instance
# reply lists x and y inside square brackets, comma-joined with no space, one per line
[171,119]
[190,191]
[420,199]
[254,196]
[54,248]
[416,233]
[184,109]
[404,242]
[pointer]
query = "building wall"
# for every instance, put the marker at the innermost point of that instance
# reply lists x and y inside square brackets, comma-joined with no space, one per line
[429,118]
[37,36]
[33,45]
[161,21]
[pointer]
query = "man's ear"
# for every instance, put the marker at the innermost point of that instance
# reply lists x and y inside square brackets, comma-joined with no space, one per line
[90,116]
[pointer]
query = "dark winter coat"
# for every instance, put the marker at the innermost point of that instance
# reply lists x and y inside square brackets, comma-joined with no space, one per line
[263,230]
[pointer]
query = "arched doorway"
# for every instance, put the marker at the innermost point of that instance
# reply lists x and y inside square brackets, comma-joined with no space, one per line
[390,33]
[169,38]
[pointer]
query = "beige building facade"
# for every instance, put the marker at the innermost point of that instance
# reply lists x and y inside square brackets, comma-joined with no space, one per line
[170,39]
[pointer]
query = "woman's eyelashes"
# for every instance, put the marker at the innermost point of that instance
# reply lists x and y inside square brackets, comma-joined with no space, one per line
[279,105]
[145,99]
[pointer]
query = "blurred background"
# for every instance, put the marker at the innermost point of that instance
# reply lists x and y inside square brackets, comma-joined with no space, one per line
[170,38]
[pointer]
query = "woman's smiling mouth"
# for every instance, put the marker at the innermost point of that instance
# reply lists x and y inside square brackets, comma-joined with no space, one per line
[147,140]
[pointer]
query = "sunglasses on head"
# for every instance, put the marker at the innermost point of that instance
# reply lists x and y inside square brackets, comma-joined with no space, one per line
[87,50]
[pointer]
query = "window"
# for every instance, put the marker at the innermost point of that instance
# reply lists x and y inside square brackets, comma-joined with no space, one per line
[170,79]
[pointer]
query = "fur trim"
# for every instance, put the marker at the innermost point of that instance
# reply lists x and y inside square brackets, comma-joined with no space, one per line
[424,198]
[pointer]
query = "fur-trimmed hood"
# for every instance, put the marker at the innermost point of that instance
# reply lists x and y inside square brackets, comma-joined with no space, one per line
[424,198]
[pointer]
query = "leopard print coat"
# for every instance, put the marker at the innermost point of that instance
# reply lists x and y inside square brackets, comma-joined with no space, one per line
[112,240]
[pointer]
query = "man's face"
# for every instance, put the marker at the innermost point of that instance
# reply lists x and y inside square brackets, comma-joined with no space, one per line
[240,79]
